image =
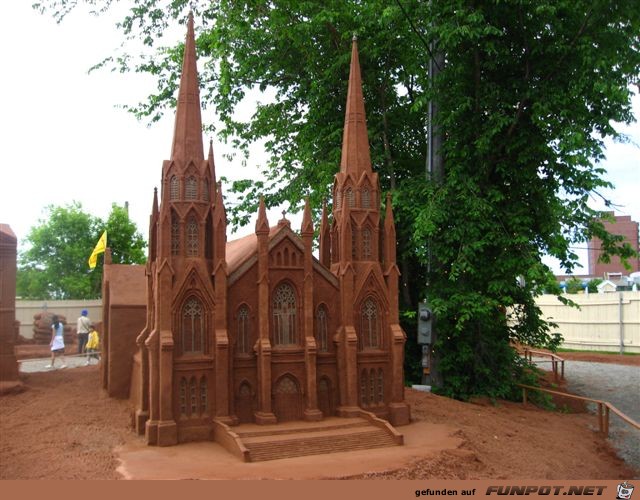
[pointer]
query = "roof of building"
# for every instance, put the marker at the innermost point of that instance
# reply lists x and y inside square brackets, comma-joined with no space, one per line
[6,234]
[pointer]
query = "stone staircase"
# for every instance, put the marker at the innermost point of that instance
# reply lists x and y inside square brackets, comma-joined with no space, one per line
[298,439]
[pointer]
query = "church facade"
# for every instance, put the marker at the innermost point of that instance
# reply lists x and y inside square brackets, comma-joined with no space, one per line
[258,329]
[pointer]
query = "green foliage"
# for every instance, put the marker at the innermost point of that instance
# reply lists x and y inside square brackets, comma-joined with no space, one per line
[55,264]
[593,285]
[574,285]
[126,243]
[527,94]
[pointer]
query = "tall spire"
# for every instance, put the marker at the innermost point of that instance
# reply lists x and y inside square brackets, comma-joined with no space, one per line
[153,227]
[307,223]
[355,141]
[212,165]
[187,135]
[262,224]
[325,237]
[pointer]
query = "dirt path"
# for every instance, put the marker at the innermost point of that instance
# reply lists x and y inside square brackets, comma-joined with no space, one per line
[64,427]
[620,386]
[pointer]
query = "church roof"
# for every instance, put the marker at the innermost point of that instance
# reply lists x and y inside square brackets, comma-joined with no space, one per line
[238,251]
[241,253]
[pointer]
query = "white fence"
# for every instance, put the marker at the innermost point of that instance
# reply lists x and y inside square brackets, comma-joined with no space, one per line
[71,309]
[604,322]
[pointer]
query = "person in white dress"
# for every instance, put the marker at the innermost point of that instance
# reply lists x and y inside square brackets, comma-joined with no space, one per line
[57,342]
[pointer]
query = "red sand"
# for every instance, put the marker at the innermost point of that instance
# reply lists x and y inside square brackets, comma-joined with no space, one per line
[64,427]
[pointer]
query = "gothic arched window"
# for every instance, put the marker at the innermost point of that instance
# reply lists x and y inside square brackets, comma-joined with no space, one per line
[354,243]
[365,198]
[204,399]
[193,327]
[175,234]
[366,243]
[183,396]
[193,396]
[284,315]
[351,200]
[322,329]
[191,188]
[372,387]
[338,200]
[192,237]
[363,388]
[370,325]
[242,342]
[380,386]
[174,188]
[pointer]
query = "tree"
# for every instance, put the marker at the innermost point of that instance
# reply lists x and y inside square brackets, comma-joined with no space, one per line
[55,264]
[526,93]
[126,243]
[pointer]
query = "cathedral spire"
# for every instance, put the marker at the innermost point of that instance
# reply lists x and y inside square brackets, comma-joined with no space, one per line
[307,222]
[154,207]
[325,237]
[212,165]
[187,135]
[153,227]
[262,224]
[355,141]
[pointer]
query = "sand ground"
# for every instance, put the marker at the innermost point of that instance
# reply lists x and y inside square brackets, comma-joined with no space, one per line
[63,426]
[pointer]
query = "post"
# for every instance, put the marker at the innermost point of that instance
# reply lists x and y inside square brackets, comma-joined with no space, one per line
[606,421]
[600,418]
[620,323]
[524,395]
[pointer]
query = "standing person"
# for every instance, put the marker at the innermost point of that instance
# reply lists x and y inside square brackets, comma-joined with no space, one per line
[83,327]
[57,341]
[93,345]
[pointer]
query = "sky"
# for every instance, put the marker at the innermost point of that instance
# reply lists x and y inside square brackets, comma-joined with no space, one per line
[64,139]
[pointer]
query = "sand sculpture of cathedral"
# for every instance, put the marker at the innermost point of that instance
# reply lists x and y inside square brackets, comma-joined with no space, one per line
[258,329]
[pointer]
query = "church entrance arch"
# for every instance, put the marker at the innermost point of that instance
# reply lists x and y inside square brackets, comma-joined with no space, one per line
[326,397]
[287,399]
[245,403]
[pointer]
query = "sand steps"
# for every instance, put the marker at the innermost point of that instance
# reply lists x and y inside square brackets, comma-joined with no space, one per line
[301,439]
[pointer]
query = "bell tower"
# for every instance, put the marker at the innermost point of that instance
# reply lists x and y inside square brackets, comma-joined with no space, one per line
[356,190]
[186,334]
[362,255]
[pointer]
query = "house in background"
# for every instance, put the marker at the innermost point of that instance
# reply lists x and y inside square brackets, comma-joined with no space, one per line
[622,225]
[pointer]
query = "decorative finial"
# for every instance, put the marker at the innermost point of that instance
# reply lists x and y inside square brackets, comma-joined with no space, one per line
[284,221]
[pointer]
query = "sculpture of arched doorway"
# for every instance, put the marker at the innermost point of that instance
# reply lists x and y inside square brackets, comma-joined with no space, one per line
[245,403]
[326,397]
[287,399]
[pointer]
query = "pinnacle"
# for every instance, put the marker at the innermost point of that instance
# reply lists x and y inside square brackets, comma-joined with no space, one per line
[187,138]
[355,140]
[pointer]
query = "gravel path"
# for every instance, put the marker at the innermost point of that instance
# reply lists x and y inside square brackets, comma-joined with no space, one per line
[620,386]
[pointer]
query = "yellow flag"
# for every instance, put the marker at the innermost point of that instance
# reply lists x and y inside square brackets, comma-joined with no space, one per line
[100,248]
